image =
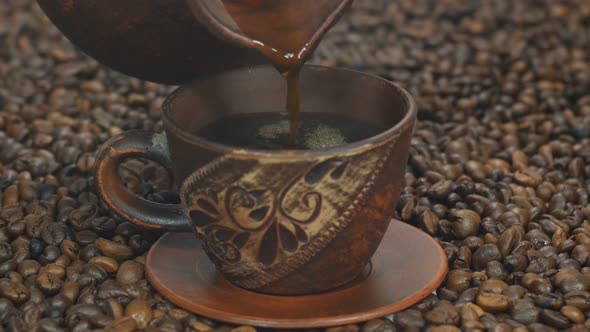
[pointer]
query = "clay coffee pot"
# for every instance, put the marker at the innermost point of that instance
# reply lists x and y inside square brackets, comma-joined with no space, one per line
[177,41]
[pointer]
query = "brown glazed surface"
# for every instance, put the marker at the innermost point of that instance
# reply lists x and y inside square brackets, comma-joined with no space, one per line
[263,220]
[357,242]
[276,221]
[276,28]
[407,267]
[156,40]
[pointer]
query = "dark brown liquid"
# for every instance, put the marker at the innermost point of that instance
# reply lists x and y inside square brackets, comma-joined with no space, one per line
[285,31]
[272,131]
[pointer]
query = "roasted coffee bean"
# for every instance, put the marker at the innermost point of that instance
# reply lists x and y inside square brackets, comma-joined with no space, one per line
[536,283]
[7,309]
[13,291]
[573,313]
[581,253]
[541,264]
[486,253]
[447,294]
[459,280]
[464,223]
[103,226]
[495,269]
[16,324]
[126,324]
[375,325]
[470,312]
[463,259]
[538,327]
[515,292]
[130,272]
[50,254]
[34,225]
[523,247]
[555,319]
[81,326]
[477,278]
[468,295]
[166,323]
[139,243]
[525,312]
[140,311]
[108,264]
[5,252]
[54,233]
[569,280]
[88,292]
[115,250]
[70,290]
[445,328]
[126,229]
[60,301]
[428,221]
[48,324]
[493,286]
[114,308]
[86,237]
[409,319]
[95,272]
[15,228]
[516,262]
[14,276]
[28,268]
[549,301]
[538,238]
[111,289]
[7,266]
[36,248]
[569,264]
[82,312]
[427,303]
[579,299]
[69,248]
[49,283]
[32,315]
[492,302]
[47,190]
[488,320]
[63,261]
[55,269]
[89,252]
[509,239]
[80,219]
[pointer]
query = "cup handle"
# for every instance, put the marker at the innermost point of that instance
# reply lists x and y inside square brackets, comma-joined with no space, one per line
[150,215]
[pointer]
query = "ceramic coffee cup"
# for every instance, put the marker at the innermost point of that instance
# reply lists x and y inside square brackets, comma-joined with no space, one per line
[273,221]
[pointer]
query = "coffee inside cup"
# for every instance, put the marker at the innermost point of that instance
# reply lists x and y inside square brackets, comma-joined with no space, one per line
[272,131]
[243,109]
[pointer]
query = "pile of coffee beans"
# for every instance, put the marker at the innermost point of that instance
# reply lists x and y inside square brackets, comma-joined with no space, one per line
[499,170]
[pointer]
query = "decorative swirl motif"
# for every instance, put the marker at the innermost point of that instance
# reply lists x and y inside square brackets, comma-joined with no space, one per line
[249,210]
[310,202]
[261,219]
[253,211]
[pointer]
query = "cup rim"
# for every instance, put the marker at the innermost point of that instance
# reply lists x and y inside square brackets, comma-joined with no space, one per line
[221,148]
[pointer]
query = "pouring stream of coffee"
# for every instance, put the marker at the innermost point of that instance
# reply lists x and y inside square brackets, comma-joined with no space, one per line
[285,31]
